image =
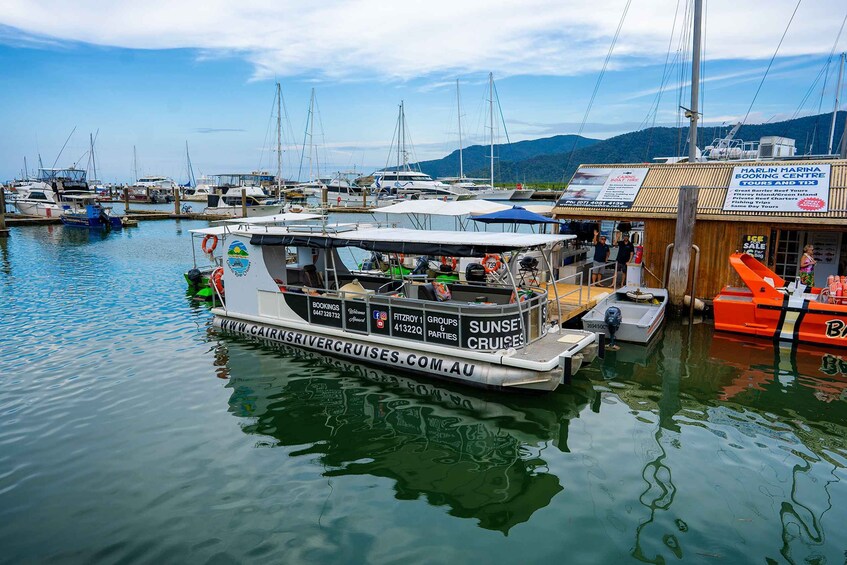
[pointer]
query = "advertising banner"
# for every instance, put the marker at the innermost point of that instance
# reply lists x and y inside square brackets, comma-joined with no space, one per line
[603,188]
[778,188]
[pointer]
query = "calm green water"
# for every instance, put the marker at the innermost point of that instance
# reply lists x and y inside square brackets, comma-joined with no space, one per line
[132,432]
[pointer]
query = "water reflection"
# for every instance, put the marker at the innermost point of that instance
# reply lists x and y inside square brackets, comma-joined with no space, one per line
[480,455]
[778,401]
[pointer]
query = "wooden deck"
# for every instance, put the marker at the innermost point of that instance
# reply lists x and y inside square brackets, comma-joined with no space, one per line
[573,303]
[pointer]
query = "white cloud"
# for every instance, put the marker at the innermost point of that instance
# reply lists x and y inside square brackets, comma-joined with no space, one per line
[365,39]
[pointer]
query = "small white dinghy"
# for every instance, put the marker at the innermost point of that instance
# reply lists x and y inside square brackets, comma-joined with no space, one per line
[642,309]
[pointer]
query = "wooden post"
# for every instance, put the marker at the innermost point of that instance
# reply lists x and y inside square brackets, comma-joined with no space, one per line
[176,201]
[147,192]
[364,198]
[4,231]
[683,239]
[243,202]
[126,199]
[324,197]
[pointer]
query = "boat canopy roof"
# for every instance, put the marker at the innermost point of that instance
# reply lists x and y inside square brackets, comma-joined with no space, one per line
[61,174]
[441,208]
[408,241]
[275,219]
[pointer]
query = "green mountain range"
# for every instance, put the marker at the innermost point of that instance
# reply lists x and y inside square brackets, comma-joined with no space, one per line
[551,160]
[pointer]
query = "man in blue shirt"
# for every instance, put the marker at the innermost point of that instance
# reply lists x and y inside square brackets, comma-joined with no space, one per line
[601,256]
[625,252]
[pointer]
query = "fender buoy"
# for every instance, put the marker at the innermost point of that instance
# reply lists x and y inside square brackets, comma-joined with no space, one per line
[209,248]
[452,261]
[216,280]
[491,263]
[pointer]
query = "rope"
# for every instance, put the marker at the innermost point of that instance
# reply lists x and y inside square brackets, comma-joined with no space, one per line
[597,87]
[767,70]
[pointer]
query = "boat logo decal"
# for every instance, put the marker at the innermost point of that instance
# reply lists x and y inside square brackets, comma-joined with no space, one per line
[238,258]
[380,317]
[836,328]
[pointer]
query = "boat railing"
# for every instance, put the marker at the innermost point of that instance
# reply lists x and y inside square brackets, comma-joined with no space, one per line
[609,281]
[465,325]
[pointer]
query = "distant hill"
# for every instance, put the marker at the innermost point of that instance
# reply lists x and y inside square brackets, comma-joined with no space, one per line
[811,134]
[475,158]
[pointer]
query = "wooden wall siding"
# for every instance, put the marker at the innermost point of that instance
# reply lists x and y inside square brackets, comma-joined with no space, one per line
[717,240]
[660,192]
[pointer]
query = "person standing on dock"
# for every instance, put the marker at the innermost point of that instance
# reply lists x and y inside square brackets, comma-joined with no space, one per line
[601,255]
[625,252]
[807,266]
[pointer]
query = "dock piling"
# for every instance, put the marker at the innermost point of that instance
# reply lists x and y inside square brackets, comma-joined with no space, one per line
[243,202]
[683,240]
[4,231]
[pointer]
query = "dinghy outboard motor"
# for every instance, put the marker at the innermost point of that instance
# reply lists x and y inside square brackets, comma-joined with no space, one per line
[421,266]
[475,272]
[613,318]
[194,276]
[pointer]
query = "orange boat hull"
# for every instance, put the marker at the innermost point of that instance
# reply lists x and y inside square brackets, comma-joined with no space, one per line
[760,309]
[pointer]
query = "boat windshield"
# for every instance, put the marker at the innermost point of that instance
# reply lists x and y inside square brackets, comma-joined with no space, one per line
[48,175]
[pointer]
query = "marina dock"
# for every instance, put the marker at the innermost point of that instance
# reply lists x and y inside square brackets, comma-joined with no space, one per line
[574,299]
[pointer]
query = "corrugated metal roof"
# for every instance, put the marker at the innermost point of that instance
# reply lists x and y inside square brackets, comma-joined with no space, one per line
[659,193]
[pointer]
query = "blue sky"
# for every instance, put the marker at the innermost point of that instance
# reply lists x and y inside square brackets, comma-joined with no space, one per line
[154,76]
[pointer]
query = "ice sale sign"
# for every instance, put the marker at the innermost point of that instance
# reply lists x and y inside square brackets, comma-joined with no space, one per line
[779,188]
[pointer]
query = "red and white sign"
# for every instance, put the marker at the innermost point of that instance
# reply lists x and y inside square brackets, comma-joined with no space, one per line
[799,187]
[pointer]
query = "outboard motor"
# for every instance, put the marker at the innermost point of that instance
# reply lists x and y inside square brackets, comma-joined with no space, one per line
[371,262]
[194,276]
[475,272]
[613,318]
[421,266]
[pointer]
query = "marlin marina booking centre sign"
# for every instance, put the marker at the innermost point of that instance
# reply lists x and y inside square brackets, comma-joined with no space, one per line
[779,188]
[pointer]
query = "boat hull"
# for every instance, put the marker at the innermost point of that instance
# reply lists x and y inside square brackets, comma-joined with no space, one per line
[484,370]
[764,308]
[522,194]
[40,209]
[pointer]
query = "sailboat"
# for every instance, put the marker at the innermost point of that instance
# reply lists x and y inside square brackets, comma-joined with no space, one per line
[469,184]
[401,181]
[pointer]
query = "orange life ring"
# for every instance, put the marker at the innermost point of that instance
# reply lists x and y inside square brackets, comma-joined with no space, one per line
[491,263]
[213,239]
[453,262]
[216,280]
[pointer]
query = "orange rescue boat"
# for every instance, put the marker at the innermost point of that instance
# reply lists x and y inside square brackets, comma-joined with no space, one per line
[765,307]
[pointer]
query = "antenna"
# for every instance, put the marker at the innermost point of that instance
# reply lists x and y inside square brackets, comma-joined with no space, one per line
[63,148]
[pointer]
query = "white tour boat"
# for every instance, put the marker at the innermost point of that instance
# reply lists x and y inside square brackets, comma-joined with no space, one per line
[290,284]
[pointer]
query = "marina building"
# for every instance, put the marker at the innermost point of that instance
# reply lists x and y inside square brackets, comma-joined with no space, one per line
[771,209]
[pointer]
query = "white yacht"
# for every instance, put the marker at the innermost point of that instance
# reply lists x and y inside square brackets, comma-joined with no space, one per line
[480,189]
[412,185]
[157,183]
[256,203]
[201,191]
[45,195]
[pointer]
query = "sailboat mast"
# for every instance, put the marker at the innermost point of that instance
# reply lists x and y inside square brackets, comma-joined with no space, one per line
[835,109]
[191,181]
[491,118]
[459,112]
[26,170]
[399,132]
[695,81]
[135,164]
[403,123]
[278,140]
[93,160]
[311,132]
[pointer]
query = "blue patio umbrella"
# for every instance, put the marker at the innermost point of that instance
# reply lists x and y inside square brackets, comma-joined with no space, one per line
[514,215]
